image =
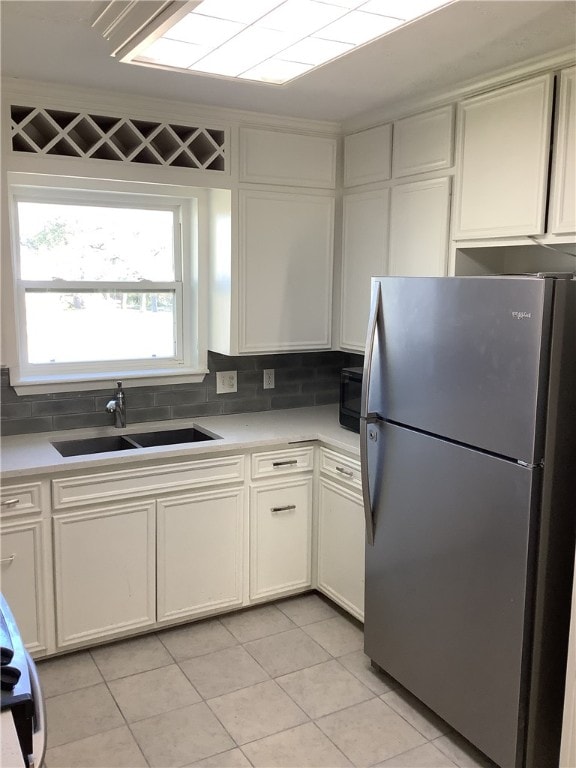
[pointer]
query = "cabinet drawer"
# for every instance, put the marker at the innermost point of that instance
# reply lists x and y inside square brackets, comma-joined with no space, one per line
[90,489]
[340,467]
[20,499]
[278,463]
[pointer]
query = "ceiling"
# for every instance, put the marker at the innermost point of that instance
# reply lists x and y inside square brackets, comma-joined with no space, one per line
[53,41]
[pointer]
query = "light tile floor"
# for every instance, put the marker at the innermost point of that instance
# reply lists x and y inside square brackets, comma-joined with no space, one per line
[277,686]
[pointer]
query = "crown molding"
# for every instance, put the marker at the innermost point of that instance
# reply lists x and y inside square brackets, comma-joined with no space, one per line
[57,96]
[560,59]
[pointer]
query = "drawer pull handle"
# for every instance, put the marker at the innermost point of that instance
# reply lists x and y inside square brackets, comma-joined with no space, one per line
[344,471]
[9,502]
[284,463]
[287,508]
[7,560]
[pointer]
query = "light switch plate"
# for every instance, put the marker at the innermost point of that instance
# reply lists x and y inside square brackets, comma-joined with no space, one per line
[226,381]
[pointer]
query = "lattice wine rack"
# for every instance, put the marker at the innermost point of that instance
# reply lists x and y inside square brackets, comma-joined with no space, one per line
[80,134]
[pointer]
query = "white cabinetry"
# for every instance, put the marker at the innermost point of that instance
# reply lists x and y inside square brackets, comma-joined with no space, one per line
[281,523]
[341,533]
[423,143]
[364,255]
[26,564]
[503,161]
[367,156]
[271,245]
[105,571]
[285,279]
[123,541]
[563,193]
[294,159]
[200,553]
[419,220]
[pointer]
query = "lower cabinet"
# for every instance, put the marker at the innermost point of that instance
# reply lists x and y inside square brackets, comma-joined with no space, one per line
[132,549]
[280,537]
[105,575]
[200,553]
[341,542]
[24,579]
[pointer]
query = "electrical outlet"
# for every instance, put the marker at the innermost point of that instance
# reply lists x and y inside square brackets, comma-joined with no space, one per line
[268,382]
[226,381]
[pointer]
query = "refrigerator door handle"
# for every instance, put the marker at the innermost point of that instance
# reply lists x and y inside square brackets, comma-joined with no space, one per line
[370,339]
[367,418]
[366,495]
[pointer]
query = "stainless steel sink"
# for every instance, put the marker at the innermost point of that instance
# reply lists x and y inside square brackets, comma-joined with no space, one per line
[113,443]
[93,445]
[172,437]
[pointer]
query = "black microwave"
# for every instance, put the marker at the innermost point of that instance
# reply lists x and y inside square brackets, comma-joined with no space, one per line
[350,398]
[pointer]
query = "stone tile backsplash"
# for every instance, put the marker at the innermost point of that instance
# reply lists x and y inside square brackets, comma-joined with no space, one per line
[302,379]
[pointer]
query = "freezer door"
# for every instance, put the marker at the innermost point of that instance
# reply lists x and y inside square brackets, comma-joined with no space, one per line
[466,359]
[447,580]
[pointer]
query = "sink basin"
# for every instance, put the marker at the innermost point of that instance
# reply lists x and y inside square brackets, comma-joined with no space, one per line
[172,437]
[93,445]
[129,442]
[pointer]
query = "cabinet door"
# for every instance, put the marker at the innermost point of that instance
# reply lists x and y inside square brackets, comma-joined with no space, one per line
[364,252]
[503,163]
[280,538]
[105,571]
[423,142]
[25,580]
[285,271]
[367,156]
[563,192]
[277,157]
[341,541]
[419,218]
[200,553]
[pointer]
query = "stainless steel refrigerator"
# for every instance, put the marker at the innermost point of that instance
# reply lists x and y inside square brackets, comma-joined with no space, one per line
[468,444]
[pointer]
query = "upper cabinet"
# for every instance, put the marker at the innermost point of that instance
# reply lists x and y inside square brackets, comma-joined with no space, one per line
[419,220]
[423,143]
[285,271]
[364,252]
[292,159]
[503,161]
[367,156]
[562,216]
[271,246]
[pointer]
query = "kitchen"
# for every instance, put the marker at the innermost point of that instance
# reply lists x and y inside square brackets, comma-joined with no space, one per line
[408,190]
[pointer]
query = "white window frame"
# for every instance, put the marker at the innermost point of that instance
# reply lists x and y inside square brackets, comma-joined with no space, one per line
[189,206]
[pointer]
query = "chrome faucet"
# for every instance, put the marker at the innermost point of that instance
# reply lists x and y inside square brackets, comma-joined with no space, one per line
[117,406]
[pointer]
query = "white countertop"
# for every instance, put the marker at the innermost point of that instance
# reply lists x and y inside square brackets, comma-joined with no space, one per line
[33,454]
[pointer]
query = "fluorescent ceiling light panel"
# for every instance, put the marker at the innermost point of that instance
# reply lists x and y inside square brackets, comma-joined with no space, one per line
[276,71]
[274,41]
[235,10]
[202,30]
[173,53]
[396,8]
[314,51]
[358,28]
[401,9]
[250,47]
[301,16]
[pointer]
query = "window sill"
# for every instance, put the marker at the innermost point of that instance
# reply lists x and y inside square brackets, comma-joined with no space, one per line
[43,385]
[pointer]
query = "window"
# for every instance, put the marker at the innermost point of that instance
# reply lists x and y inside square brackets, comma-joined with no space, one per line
[106,282]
